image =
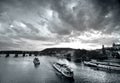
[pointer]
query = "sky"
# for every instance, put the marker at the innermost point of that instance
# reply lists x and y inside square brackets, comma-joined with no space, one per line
[40,24]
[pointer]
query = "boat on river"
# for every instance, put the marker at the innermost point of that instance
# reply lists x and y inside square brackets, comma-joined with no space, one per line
[36,61]
[91,64]
[105,65]
[63,69]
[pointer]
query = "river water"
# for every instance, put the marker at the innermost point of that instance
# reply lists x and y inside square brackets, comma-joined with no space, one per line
[22,70]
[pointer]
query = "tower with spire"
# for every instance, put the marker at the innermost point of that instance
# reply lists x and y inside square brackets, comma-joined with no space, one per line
[103,50]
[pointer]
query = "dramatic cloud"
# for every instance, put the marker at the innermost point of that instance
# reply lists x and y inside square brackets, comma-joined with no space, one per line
[37,24]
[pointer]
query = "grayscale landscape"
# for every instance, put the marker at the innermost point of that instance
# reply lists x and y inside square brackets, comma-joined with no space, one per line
[59,41]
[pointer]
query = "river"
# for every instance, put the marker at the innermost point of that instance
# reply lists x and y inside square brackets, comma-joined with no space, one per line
[22,70]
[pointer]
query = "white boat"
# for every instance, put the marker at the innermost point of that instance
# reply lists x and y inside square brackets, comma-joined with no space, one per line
[63,69]
[36,61]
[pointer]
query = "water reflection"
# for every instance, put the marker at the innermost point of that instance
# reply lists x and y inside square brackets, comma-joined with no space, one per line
[36,65]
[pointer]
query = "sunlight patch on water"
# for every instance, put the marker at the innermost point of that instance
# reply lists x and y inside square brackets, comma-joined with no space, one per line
[25,63]
[97,75]
[92,74]
[18,64]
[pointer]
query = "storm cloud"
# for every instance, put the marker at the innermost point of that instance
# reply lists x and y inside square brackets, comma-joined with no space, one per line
[38,24]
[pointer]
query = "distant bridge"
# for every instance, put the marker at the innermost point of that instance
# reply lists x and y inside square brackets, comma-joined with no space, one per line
[30,53]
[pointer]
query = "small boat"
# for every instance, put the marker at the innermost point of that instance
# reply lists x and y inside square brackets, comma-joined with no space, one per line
[63,69]
[36,61]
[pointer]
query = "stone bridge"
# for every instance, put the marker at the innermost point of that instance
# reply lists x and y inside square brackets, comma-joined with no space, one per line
[24,53]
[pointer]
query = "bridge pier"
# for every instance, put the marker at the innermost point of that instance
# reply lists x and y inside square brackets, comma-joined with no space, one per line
[7,55]
[23,54]
[16,55]
[30,54]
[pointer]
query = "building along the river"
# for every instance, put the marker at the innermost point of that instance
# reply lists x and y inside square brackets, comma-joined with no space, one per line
[112,52]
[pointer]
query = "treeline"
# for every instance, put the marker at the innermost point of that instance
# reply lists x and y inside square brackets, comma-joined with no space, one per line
[79,54]
[82,54]
[53,51]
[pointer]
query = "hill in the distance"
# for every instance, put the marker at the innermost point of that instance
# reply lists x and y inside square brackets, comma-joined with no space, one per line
[55,50]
